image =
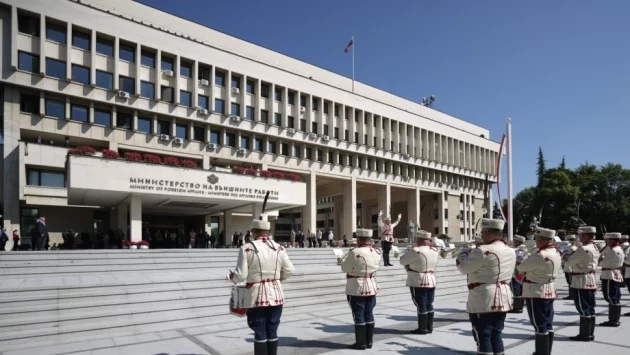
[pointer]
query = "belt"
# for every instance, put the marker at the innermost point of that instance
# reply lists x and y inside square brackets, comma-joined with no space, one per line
[250,284]
[420,272]
[582,273]
[477,284]
[359,277]
[611,269]
[538,283]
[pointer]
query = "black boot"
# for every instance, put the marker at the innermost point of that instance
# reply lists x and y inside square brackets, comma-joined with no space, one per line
[585,330]
[430,323]
[626,314]
[260,348]
[550,335]
[423,321]
[542,344]
[360,337]
[614,312]
[518,305]
[272,347]
[369,335]
[591,333]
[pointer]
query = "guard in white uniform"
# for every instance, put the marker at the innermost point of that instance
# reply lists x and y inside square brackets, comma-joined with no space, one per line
[387,235]
[611,260]
[360,266]
[489,268]
[263,265]
[539,288]
[420,263]
[566,268]
[583,263]
[626,248]
[517,288]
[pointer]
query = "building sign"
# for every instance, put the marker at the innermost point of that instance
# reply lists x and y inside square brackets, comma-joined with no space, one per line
[211,188]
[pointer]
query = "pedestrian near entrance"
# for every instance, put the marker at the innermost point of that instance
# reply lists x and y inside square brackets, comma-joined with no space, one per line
[292,238]
[611,261]
[4,238]
[331,239]
[41,234]
[16,240]
[319,238]
[387,235]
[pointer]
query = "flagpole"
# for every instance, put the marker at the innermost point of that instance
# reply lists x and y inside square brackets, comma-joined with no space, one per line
[353,45]
[510,216]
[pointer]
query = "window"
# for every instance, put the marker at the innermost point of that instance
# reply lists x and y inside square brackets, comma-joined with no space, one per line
[181,131]
[127,84]
[46,178]
[302,125]
[326,108]
[56,33]
[346,135]
[167,64]
[277,95]
[104,80]
[164,127]
[105,47]
[55,109]
[147,90]
[314,127]
[168,94]
[219,79]
[249,113]
[284,149]
[276,119]
[198,133]
[219,106]
[28,62]
[331,157]
[296,151]
[342,160]
[258,144]
[446,213]
[356,116]
[185,98]
[365,139]
[127,53]
[230,139]
[291,122]
[215,137]
[435,213]
[203,101]
[308,153]
[250,87]
[145,124]
[325,129]
[264,90]
[28,25]
[81,74]
[55,68]
[374,142]
[236,82]
[336,132]
[123,120]
[185,70]
[245,142]
[235,109]
[272,147]
[81,40]
[103,117]
[264,116]
[29,103]
[320,155]
[79,113]
[315,104]
[203,73]
[147,59]
[303,100]
[445,196]
[291,97]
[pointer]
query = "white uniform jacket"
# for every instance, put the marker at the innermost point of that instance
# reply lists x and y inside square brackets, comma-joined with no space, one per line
[627,262]
[387,230]
[263,266]
[420,263]
[489,268]
[360,267]
[583,263]
[541,270]
[565,266]
[611,261]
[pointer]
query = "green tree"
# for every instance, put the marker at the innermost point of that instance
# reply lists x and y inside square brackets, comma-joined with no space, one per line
[496,211]
[541,167]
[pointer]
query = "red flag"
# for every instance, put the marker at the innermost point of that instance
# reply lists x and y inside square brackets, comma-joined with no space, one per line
[349,45]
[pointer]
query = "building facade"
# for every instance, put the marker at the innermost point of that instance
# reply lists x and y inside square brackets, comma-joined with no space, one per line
[121,76]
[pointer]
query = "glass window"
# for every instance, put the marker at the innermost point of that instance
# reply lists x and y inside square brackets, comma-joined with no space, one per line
[284,149]
[167,64]
[277,118]
[245,142]
[168,94]
[55,109]
[219,79]
[249,113]
[272,147]
[219,106]
[236,81]
[320,155]
[185,70]
[204,73]
[147,59]
[277,94]
[81,74]
[258,144]
[145,124]
[235,109]
[105,47]
[308,153]
[291,120]
[325,129]
[28,25]
[230,139]
[302,100]
[215,137]
[291,97]
[302,125]
[314,127]
[250,87]
[185,98]
[29,103]
[127,84]
[264,90]
[55,68]
[325,107]
[104,80]
[315,104]
[336,110]
[81,40]
[147,90]
[123,120]
[203,101]
[127,53]
[28,62]
[181,131]
[264,116]
[164,127]
[56,33]
[297,151]
[46,178]
[79,113]
[103,117]
[336,132]
[198,133]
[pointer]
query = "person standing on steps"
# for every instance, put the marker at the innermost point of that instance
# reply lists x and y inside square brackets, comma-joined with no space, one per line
[420,262]
[611,260]
[360,266]
[583,263]
[386,227]
[539,288]
[566,268]
[263,265]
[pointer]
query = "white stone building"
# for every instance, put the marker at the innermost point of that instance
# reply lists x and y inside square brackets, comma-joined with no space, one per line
[118,75]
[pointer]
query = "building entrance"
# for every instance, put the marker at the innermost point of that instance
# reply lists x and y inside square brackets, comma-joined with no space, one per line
[169,232]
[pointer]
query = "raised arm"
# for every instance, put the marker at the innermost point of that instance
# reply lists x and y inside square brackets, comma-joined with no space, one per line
[530,263]
[470,262]
[409,256]
[348,263]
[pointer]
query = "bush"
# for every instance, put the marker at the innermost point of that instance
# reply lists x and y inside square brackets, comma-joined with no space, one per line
[250,171]
[266,173]
[187,163]
[293,177]
[110,154]
[143,242]
[152,158]
[133,156]
[172,161]
[278,174]
[82,150]
[238,170]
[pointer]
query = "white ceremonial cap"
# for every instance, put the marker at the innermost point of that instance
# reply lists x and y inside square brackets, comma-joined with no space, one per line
[545,233]
[612,236]
[364,233]
[387,218]
[623,236]
[587,229]
[487,223]
[520,238]
[570,237]
[422,234]
[261,225]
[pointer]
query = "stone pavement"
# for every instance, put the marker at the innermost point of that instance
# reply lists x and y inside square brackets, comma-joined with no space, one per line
[328,331]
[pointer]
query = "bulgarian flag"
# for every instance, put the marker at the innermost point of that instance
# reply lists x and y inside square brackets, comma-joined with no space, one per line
[350,43]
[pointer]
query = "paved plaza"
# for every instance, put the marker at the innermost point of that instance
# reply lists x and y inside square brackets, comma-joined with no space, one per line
[329,330]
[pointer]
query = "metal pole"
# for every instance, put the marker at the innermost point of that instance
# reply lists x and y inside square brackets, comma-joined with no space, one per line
[510,217]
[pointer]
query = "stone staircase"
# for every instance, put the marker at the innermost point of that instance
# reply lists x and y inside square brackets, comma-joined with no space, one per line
[65,296]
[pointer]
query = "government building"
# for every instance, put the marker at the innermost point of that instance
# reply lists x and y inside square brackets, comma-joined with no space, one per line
[118,116]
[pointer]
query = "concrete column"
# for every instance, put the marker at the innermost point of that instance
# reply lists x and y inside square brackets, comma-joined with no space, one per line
[212,88]
[465,216]
[14,53]
[91,113]
[134,121]
[114,117]
[116,62]
[68,108]
[12,161]
[93,58]
[121,217]
[309,213]
[349,206]
[413,206]
[135,217]
[178,63]
[68,51]
[195,81]
[385,199]
[227,229]
[154,124]
[42,45]
[208,225]
[286,108]
[205,164]
[138,65]
[158,74]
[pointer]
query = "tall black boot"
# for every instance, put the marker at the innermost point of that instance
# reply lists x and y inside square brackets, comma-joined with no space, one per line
[272,347]
[542,344]
[614,313]
[430,323]
[518,305]
[423,321]
[369,335]
[585,330]
[260,348]
[550,335]
[360,337]
[591,333]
